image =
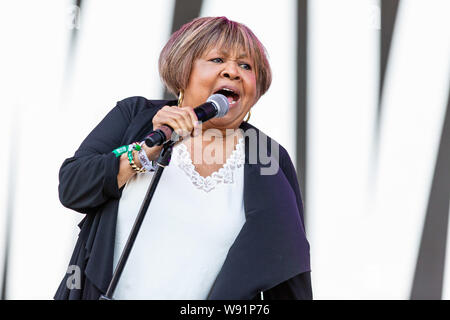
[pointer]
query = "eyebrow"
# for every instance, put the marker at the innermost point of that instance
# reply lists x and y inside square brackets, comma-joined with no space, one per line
[243,55]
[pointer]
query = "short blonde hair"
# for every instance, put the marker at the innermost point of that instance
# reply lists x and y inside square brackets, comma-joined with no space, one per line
[194,38]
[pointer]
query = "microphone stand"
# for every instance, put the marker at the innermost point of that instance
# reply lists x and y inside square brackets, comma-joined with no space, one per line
[162,162]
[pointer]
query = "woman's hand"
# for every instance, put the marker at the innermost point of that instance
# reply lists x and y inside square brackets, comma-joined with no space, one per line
[182,120]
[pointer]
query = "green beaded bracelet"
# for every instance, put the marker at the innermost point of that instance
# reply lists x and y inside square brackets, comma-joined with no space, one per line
[130,158]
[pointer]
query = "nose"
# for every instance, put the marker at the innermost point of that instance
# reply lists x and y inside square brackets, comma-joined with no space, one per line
[230,71]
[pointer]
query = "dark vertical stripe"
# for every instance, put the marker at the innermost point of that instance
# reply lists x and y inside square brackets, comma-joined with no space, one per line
[429,273]
[184,12]
[389,10]
[302,25]
[388,16]
[10,208]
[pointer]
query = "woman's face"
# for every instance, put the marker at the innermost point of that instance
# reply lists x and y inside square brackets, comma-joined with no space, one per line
[229,73]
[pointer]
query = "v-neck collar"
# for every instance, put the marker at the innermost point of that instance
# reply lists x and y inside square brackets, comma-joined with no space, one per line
[224,174]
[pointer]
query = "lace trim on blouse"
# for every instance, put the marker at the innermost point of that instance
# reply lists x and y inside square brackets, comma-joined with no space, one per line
[223,175]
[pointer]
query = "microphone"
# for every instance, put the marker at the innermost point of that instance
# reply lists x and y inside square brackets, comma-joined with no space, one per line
[216,106]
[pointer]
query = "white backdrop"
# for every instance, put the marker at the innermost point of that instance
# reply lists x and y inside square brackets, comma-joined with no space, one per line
[365,207]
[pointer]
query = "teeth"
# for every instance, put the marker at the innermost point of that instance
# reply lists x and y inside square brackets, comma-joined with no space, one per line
[233,101]
[226,89]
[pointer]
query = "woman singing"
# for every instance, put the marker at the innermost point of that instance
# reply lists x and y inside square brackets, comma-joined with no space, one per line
[221,224]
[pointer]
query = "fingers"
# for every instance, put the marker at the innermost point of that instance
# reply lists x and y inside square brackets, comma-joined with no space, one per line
[194,120]
[178,122]
[182,120]
[188,120]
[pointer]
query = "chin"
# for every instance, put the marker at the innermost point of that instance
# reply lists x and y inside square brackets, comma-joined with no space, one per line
[222,123]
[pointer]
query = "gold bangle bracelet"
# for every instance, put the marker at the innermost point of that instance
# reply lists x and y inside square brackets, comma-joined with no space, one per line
[134,166]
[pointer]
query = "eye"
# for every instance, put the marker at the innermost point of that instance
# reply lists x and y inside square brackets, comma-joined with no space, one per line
[217,60]
[246,66]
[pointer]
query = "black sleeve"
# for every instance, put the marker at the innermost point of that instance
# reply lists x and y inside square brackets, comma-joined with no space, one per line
[296,288]
[89,178]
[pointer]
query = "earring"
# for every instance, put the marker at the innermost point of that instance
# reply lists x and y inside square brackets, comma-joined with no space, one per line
[180,98]
[248,116]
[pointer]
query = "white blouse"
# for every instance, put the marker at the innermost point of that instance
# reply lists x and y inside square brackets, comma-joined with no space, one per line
[189,227]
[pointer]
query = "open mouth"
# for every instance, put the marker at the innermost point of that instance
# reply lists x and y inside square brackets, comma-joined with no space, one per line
[231,95]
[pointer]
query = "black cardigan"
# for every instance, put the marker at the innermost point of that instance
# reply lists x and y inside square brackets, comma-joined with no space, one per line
[270,254]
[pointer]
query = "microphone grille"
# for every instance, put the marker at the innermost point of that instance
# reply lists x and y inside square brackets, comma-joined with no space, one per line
[221,103]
